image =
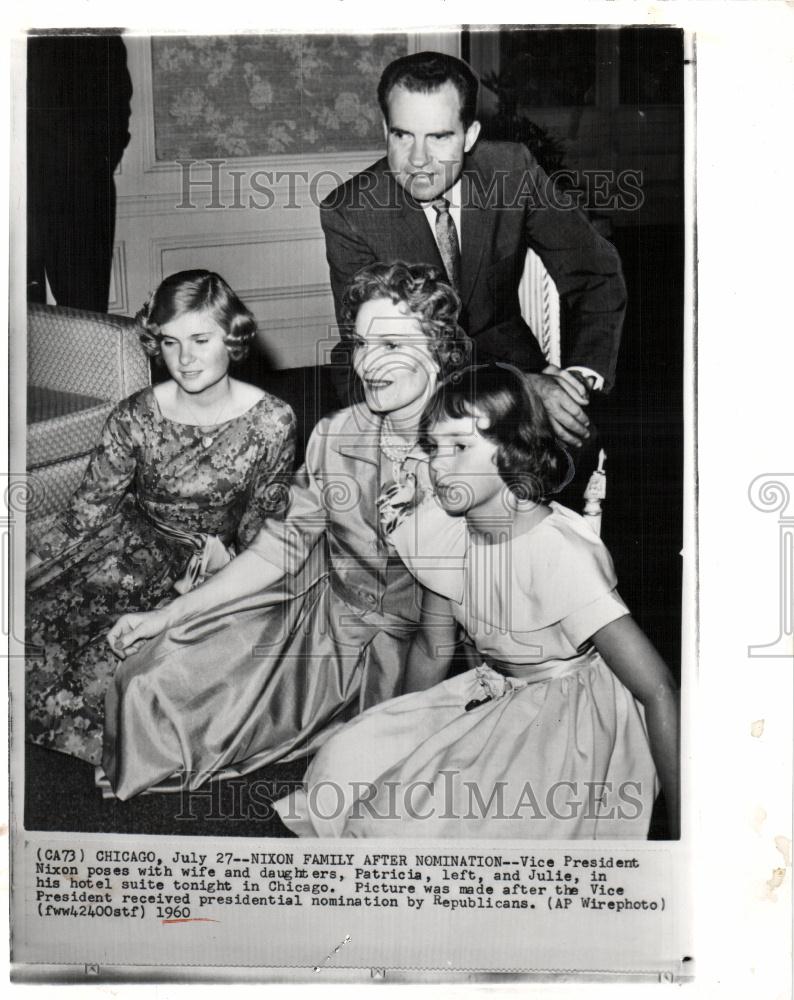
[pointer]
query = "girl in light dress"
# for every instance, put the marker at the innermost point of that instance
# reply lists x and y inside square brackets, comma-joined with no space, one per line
[561,729]
[184,475]
[314,621]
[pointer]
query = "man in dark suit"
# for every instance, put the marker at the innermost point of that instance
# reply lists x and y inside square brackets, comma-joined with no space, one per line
[473,208]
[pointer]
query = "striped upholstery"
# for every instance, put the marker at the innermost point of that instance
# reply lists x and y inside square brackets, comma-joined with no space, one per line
[79,365]
[540,306]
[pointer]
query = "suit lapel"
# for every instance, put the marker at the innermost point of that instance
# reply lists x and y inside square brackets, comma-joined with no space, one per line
[476,223]
[360,440]
[406,225]
[361,449]
[417,233]
[408,233]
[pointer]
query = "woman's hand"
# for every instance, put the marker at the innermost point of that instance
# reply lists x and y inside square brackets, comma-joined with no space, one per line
[246,574]
[130,630]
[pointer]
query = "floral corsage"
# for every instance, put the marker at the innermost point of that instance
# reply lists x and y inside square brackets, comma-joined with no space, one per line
[396,501]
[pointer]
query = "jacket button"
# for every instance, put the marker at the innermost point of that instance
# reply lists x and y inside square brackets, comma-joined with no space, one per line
[370,600]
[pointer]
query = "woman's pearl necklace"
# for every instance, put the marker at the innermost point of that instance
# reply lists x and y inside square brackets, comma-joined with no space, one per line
[396,450]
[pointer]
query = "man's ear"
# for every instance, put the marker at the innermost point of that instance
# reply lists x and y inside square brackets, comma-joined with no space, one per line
[470,136]
[385,129]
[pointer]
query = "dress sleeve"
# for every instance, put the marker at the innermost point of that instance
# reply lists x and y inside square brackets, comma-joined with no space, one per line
[110,471]
[583,623]
[270,487]
[567,578]
[432,544]
[287,542]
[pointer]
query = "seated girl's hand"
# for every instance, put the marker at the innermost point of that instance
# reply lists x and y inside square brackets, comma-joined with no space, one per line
[130,631]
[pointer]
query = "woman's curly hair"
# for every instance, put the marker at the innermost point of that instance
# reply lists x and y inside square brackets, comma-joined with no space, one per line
[424,291]
[509,413]
[193,291]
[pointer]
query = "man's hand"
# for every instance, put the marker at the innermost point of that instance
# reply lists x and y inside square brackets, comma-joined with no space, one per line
[577,380]
[564,395]
[130,630]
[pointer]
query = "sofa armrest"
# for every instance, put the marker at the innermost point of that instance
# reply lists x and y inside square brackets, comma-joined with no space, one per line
[92,354]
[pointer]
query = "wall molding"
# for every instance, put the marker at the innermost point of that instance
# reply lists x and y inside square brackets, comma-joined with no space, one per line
[240,237]
[280,292]
[117,299]
[290,186]
[161,245]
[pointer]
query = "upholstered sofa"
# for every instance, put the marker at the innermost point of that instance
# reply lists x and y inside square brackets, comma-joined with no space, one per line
[79,365]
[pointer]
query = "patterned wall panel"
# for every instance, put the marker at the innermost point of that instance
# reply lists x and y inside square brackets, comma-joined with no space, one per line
[259,95]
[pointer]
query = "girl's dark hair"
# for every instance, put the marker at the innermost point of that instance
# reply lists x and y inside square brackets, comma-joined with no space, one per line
[192,291]
[425,293]
[530,459]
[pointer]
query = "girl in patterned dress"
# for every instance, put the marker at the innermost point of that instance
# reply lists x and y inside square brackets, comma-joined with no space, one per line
[183,477]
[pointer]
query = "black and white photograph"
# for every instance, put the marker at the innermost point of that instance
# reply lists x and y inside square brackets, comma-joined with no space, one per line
[356,468]
[187,450]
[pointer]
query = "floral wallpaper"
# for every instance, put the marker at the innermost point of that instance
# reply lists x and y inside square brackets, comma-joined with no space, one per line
[256,95]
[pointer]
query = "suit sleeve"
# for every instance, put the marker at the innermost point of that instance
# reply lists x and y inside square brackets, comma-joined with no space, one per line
[347,251]
[585,268]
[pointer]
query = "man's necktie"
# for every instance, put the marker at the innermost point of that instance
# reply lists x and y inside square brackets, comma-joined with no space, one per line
[447,236]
